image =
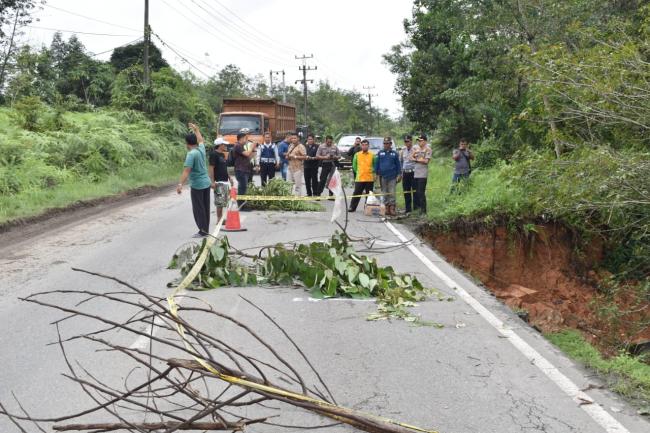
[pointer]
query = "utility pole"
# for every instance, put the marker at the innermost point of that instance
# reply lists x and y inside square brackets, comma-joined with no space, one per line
[271,83]
[147,41]
[304,68]
[284,86]
[370,95]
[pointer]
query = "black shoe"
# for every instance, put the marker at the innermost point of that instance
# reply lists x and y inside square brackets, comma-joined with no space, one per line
[352,210]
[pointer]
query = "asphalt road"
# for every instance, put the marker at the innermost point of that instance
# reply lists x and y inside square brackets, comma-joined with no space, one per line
[484,371]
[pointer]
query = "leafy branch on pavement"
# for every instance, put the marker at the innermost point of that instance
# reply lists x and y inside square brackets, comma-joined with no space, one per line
[200,369]
[327,269]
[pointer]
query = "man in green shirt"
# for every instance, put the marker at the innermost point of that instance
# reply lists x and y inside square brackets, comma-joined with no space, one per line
[195,168]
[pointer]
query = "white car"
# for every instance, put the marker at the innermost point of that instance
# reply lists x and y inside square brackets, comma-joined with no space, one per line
[377,144]
[346,142]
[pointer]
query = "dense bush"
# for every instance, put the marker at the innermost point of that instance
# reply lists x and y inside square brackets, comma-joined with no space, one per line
[91,145]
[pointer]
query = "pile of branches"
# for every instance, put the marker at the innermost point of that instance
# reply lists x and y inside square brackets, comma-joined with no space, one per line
[327,269]
[199,369]
[277,187]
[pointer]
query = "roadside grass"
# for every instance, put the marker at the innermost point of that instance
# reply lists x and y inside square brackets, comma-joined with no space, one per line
[82,156]
[625,374]
[37,201]
[487,193]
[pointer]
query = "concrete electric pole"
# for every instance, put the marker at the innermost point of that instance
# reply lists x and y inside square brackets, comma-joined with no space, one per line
[284,86]
[304,68]
[370,96]
[147,42]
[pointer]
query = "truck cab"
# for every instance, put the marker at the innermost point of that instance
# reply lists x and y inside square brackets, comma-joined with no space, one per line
[230,124]
[257,116]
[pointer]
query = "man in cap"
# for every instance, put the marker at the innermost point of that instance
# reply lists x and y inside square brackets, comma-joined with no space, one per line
[218,172]
[421,156]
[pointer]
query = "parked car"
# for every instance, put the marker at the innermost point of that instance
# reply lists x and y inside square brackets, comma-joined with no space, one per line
[377,144]
[344,144]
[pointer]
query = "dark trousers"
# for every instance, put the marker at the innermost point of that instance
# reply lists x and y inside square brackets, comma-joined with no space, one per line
[421,194]
[311,179]
[360,188]
[201,208]
[326,170]
[267,172]
[408,186]
[243,178]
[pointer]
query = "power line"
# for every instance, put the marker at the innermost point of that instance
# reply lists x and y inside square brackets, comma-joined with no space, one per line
[190,64]
[76,31]
[266,36]
[90,18]
[191,56]
[119,46]
[226,21]
[227,41]
[240,42]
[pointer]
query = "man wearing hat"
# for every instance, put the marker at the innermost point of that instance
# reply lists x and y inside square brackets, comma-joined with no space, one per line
[421,156]
[218,172]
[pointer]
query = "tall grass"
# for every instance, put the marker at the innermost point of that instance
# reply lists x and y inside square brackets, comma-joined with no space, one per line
[36,201]
[81,156]
[487,193]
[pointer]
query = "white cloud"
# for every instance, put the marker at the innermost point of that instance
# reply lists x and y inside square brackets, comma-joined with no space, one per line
[347,37]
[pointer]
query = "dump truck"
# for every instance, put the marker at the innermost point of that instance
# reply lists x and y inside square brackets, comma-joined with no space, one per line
[258,116]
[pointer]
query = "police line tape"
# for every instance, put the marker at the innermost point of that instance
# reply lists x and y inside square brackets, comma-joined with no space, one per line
[307,198]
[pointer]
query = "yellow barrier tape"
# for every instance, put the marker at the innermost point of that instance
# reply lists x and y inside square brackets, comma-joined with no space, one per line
[173,310]
[302,197]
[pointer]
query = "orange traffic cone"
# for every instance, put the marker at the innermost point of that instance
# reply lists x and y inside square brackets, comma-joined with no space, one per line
[232,215]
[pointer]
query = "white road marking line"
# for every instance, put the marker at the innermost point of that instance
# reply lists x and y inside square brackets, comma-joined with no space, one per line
[142,342]
[595,411]
[310,299]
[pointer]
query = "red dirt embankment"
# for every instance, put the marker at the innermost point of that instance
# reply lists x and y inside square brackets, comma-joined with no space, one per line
[543,275]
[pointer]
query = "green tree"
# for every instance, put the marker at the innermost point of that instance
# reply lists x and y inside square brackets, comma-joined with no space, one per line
[14,14]
[130,55]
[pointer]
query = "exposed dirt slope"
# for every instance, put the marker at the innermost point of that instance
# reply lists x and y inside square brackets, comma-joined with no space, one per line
[542,275]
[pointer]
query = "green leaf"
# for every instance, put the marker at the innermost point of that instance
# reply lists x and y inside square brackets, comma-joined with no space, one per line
[218,253]
[364,280]
[316,293]
[352,273]
[331,287]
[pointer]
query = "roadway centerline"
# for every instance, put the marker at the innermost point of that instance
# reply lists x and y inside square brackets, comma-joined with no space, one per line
[595,411]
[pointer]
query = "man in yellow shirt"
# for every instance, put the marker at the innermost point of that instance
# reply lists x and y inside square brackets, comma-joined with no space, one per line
[363,165]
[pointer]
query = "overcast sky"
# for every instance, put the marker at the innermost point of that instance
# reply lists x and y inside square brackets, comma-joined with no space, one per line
[346,37]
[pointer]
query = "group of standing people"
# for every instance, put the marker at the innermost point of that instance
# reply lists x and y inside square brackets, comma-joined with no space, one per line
[310,165]
[303,162]
[410,166]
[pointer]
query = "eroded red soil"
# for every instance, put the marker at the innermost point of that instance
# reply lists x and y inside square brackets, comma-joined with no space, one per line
[545,277]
